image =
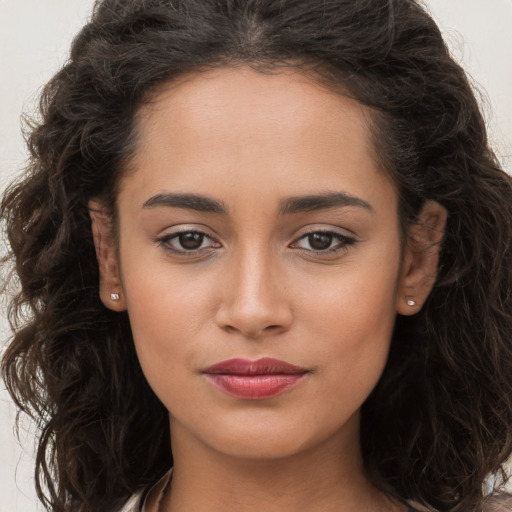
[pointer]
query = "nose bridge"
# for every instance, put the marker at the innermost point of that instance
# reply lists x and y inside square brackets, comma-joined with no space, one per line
[254,298]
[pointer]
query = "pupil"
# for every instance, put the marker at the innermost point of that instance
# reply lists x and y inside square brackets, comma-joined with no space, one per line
[191,240]
[319,241]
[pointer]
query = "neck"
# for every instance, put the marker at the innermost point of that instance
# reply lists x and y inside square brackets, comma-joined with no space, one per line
[329,477]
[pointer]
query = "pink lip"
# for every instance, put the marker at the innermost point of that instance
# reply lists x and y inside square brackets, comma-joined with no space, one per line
[264,378]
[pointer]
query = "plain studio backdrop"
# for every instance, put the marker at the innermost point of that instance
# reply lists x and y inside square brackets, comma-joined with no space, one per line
[34,40]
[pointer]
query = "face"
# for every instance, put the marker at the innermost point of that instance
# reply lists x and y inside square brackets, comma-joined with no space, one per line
[256,224]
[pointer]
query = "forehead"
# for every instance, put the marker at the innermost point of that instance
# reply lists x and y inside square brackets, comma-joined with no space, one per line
[248,129]
[234,99]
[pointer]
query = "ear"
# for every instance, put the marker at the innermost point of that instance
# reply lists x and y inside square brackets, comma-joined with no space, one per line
[111,293]
[421,257]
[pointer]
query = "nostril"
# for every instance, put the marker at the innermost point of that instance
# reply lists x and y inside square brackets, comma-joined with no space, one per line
[253,331]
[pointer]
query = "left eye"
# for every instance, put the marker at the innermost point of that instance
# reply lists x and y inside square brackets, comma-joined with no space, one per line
[323,241]
[187,241]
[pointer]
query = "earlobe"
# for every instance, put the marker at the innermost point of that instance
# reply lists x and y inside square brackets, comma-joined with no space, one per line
[110,287]
[421,258]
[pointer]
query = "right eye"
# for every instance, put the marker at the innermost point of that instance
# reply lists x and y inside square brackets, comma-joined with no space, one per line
[187,242]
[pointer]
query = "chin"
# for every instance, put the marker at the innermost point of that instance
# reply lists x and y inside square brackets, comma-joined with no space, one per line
[256,448]
[263,438]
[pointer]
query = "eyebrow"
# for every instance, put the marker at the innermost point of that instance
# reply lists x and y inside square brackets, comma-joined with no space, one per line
[291,205]
[322,202]
[186,201]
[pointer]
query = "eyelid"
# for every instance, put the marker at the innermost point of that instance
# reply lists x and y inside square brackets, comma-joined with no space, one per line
[167,236]
[344,244]
[325,228]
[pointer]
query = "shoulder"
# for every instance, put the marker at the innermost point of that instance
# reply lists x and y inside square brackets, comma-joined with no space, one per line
[501,502]
[133,504]
[498,502]
[148,500]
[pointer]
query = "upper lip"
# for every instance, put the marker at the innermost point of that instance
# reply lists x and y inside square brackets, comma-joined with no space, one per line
[263,366]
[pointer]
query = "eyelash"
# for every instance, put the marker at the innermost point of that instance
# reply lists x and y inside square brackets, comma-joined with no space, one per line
[344,242]
[165,241]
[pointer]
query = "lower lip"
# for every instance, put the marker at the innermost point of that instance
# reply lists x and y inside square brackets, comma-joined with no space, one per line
[255,387]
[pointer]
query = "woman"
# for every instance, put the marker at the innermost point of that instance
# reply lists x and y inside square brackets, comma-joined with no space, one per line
[264,243]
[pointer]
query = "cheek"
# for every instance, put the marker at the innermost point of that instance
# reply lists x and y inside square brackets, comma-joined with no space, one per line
[353,322]
[166,311]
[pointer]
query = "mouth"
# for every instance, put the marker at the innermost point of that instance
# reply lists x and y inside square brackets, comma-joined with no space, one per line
[253,380]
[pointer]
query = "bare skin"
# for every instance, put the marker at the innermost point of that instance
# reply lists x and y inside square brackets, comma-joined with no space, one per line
[298,257]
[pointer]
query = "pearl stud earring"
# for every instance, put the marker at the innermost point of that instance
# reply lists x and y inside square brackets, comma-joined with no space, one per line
[411,302]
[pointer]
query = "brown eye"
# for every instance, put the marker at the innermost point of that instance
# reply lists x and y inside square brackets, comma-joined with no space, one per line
[191,240]
[320,241]
[325,243]
[188,242]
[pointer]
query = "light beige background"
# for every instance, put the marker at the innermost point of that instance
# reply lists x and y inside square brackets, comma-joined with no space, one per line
[34,40]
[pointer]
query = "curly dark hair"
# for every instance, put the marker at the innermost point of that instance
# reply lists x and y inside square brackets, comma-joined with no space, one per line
[440,419]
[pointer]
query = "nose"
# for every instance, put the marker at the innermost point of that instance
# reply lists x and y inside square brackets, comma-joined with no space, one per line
[255,301]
